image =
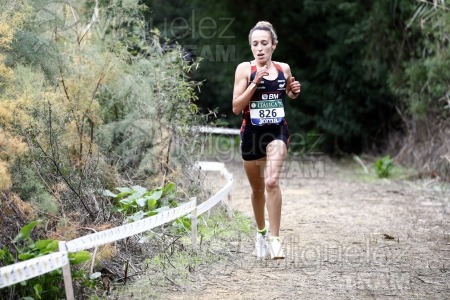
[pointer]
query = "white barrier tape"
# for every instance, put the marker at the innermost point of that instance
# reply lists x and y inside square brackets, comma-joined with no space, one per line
[22,271]
[207,129]
[222,193]
[210,166]
[28,269]
[124,231]
[211,202]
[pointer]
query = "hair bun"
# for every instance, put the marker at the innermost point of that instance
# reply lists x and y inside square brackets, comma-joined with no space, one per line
[264,25]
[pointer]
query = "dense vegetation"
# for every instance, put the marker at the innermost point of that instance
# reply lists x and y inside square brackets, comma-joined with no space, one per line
[100,94]
[89,101]
[369,69]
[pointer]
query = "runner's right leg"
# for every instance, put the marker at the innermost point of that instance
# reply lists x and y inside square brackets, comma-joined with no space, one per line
[255,174]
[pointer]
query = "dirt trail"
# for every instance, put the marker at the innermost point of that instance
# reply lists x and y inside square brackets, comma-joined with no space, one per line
[344,238]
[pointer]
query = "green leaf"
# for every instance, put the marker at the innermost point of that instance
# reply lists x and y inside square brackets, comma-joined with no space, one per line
[128,205]
[108,193]
[122,194]
[117,209]
[79,257]
[383,166]
[124,190]
[151,213]
[161,209]
[137,216]
[52,247]
[126,202]
[156,195]
[137,192]
[151,204]
[141,202]
[78,274]
[95,275]
[7,256]
[38,290]
[26,230]
[173,203]
[169,188]
[139,189]
[42,244]
[25,256]
[182,223]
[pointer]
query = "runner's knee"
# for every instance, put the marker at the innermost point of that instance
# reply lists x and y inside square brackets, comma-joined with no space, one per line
[271,184]
[258,192]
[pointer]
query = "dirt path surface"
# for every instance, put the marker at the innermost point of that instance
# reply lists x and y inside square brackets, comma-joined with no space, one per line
[345,237]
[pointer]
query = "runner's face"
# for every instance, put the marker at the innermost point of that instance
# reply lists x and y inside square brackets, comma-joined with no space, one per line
[261,45]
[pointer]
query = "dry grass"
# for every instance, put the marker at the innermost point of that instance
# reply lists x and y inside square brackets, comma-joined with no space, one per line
[425,147]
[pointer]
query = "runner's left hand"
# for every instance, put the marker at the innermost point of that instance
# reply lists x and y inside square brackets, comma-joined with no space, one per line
[295,86]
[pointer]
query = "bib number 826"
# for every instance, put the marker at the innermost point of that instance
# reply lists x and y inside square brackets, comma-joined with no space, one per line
[267,113]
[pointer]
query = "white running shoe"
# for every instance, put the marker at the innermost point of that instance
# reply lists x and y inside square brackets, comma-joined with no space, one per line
[261,243]
[275,248]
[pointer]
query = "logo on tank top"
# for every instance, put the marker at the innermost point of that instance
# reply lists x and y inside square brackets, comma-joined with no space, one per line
[268,109]
[281,84]
[270,96]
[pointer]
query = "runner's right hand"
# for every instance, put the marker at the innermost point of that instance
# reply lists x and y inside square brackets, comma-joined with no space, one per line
[264,71]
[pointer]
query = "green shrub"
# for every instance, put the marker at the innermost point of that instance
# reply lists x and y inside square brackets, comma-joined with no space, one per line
[384,166]
[49,285]
[138,202]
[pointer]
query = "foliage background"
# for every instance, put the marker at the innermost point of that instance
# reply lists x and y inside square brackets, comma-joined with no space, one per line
[89,101]
[373,73]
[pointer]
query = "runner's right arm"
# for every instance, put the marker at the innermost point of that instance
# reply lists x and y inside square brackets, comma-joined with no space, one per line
[243,90]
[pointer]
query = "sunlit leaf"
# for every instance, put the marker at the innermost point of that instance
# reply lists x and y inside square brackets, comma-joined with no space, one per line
[26,230]
[124,190]
[122,194]
[151,204]
[45,246]
[139,189]
[95,275]
[169,188]
[141,202]
[126,201]
[108,193]
[161,209]
[25,256]
[79,257]
[156,195]
[38,290]
[151,213]
[137,216]
[53,246]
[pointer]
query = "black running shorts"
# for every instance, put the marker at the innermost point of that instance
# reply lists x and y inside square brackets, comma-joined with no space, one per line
[254,139]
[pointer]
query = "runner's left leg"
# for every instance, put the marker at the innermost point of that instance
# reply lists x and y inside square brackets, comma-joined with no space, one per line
[276,153]
[255,174]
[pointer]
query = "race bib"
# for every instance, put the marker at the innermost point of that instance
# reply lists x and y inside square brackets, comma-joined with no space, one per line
[266,112]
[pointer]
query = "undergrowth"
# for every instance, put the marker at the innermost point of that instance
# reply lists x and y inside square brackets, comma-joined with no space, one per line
[219,240]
